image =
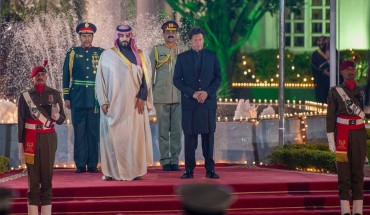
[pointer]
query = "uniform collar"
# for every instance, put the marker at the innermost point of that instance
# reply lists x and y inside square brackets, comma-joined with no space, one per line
[84,47]
[170,46]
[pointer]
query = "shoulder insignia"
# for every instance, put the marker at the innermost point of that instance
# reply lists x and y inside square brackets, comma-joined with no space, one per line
[70,49]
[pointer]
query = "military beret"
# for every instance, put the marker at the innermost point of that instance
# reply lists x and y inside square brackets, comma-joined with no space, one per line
[38,69]
[206,198]
[86,28]
[170,26]
[346,64]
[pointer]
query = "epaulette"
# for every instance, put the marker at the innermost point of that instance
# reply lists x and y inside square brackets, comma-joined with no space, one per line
[70,49]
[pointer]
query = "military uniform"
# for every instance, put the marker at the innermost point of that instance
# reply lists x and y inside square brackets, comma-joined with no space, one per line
[40,165]
[350,166]
[79,73]
[167,102]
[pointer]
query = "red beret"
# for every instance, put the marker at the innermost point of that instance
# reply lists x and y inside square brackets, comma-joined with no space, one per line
[346,64]
[38,69]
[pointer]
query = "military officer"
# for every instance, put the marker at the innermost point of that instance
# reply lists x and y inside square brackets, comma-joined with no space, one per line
[167,97]
[79,73]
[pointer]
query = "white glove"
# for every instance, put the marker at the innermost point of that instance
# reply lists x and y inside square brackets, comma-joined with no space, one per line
[55,109]
[21,153]
[331,141]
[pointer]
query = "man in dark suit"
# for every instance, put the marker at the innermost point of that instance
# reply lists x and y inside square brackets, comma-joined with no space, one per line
[198,76]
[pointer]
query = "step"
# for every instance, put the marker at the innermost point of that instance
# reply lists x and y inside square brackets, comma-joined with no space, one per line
[164,203]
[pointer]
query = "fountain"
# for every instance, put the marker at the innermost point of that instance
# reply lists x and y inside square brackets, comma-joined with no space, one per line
[246,138]
[48,36]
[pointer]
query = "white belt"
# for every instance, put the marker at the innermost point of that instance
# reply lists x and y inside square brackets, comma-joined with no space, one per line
[350,121]
[37,127]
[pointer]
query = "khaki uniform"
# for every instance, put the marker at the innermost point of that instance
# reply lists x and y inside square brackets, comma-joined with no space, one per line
[40,173]
[351,173]
[167,102]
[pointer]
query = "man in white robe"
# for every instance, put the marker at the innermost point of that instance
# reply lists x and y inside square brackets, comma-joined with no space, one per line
[125,97]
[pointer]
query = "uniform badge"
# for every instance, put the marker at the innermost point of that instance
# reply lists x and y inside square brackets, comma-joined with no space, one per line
[29,147]
[86,25]
[341,144]
[95,61]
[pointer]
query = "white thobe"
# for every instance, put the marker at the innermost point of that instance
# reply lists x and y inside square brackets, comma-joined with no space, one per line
[125,136]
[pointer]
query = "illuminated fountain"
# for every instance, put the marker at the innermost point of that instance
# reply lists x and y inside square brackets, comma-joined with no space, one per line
[48,36]
[241,139]
[247,138]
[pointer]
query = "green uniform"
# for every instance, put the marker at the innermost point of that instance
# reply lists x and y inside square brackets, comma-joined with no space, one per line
[79,73]
[167,102]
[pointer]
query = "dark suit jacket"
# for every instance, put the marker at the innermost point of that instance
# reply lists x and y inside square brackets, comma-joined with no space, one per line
[187,81]
[198,118]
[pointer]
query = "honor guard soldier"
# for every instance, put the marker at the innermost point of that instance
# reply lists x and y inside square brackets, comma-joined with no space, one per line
[79,73]
[39,109]
[347,137]
[167,97]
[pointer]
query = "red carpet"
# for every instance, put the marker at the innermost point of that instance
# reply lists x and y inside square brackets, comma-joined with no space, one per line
[258,191]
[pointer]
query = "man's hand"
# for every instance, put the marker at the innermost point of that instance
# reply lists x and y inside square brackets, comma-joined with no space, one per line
[104,108]
[196,95]
[326,72]
[67,103]
[21,153]
[139,105]
[202,96]
[331,141]
[55,109]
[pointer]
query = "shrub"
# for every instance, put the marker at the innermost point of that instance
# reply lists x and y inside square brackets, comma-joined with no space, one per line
[4,164]
[305,156]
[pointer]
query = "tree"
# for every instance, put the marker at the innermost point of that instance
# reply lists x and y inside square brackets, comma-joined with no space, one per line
[228,24]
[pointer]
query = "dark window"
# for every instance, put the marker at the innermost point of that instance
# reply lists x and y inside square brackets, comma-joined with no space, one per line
[299,41]
[316,2]
[288,29]
[317,28]
[316,14]
[299,28]
[287,41]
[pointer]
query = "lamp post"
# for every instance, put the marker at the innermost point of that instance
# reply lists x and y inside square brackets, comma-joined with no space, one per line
[281,73]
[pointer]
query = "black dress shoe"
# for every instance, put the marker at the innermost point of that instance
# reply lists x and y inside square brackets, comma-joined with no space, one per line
[175,167]
[187,174]
[138,178]
[80,170]
[211,174]
[167,167]
[93,170]
[357,214]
